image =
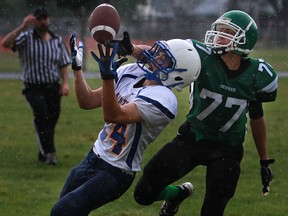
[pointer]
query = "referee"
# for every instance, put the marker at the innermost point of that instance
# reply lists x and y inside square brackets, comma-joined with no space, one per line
[44,61]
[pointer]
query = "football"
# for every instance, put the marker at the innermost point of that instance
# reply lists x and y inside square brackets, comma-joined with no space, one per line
[104,23]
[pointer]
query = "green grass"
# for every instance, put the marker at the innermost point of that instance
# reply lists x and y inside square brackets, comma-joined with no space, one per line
[276,57]
[9,62]
[30,188]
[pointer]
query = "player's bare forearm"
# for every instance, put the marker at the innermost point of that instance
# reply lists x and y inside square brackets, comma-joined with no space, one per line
[86,97]
[114,112]
[258,128]
[138,50]
[111,107]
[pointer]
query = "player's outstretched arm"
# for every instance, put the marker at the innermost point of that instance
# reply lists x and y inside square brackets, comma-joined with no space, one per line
[112,111]
[258,128]
[86,97]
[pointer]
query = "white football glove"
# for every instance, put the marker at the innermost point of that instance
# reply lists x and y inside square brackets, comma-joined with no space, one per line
[76,53]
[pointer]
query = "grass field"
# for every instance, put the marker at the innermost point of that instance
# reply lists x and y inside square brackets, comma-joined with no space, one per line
[28,188]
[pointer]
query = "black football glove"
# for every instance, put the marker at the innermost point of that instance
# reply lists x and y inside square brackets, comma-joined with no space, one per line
[106,62]
[76,52]
[125,45]
[266,175]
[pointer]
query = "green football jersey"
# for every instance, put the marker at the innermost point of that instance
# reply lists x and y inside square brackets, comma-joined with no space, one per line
[219,101]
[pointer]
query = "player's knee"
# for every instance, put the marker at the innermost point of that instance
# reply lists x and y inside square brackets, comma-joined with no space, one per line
[143,195]
[142,200]
[216,201]
[58,210]
[70,205]
[227,193]
[214,204]
[228,188]
[224,185]
[55,211]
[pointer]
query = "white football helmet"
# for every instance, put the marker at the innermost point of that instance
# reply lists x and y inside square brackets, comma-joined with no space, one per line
[178,67]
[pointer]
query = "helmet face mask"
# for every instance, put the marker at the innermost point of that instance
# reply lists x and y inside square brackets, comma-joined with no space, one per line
[157,59]
[174,63]
[244,39]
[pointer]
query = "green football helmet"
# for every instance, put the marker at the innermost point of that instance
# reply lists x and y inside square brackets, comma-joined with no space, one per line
[245,38]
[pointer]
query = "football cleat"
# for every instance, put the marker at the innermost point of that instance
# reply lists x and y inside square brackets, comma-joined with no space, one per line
[51,159]
[170,208]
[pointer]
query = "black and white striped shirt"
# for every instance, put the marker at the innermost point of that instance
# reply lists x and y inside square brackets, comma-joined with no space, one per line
[41,60]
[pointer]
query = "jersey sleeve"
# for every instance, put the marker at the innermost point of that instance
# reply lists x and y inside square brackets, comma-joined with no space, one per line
[157,105]
[19,42]
[266,82]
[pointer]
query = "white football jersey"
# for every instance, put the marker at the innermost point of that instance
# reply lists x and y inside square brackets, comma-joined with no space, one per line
[122,145]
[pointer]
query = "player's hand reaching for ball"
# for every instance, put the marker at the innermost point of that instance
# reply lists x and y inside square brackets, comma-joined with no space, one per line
[76,53]
[106,61]
[125,45]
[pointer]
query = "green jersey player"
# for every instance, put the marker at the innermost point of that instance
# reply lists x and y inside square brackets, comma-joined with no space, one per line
[230,85]
[221,96]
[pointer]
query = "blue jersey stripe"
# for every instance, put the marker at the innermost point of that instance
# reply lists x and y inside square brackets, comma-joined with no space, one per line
[135,143]
[117,81]
[159,106]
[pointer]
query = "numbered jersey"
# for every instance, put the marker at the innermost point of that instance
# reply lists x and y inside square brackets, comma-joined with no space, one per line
[122,145]
[219,101]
